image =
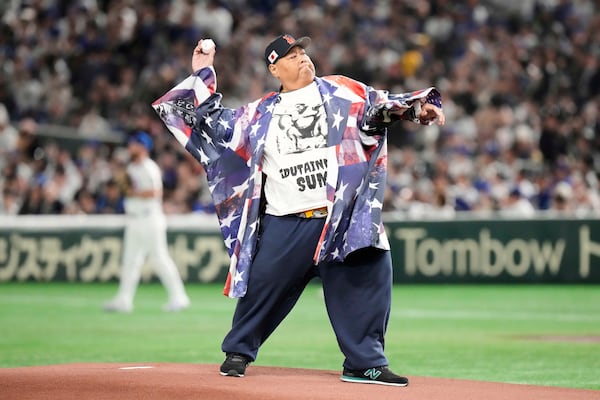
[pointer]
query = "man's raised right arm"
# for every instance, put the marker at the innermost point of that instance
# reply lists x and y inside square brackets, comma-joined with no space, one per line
[193,113]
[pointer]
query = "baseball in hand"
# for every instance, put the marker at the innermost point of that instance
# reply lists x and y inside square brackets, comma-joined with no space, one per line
[207,45]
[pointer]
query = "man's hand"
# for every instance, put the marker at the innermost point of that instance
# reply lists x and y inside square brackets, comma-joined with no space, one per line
[430,113]
[200,59]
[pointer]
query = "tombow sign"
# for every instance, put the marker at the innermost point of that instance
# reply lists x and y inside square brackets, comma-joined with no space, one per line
[496,251]
[477,251]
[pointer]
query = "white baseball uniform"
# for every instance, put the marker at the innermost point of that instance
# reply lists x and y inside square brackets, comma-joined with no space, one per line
[145,236]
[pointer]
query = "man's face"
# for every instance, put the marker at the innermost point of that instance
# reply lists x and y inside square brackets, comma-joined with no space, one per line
[295,70]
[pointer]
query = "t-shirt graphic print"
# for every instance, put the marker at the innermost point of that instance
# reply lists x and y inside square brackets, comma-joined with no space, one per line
[295,157]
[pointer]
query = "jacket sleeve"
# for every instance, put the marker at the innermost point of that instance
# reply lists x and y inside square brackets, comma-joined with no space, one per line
[193,113]
[383,108]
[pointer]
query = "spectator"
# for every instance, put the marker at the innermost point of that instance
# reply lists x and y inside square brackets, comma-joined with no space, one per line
[215,19]
[84,203]
[9,202]
[110,199]
[28,144]
[38,201]
[562,197]
[517,206]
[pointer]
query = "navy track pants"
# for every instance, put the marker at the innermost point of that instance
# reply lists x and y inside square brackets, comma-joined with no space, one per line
[357,292]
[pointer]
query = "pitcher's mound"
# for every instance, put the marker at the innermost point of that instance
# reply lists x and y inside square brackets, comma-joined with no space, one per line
[195,381]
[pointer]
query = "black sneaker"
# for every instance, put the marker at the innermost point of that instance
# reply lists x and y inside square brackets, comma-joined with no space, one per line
[234,365]
[377,375]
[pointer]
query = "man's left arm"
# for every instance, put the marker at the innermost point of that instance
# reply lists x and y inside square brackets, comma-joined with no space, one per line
[382,109]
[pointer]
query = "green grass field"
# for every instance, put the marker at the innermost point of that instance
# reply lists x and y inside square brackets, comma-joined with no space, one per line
[533,334]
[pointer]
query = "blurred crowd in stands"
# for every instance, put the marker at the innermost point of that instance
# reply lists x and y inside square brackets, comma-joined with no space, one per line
[520,81]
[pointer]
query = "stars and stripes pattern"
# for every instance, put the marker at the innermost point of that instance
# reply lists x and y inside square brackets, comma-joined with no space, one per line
[229,144]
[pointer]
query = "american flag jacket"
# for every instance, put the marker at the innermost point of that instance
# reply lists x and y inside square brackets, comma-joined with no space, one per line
[229,144]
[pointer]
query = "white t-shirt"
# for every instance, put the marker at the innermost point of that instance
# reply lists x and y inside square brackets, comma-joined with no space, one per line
[144,175]
[295,156]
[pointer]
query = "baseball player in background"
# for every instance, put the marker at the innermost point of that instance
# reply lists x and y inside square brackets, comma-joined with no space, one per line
[145,231]
[298,179]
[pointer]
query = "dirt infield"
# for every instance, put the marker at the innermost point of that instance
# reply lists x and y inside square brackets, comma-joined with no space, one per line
[195,381]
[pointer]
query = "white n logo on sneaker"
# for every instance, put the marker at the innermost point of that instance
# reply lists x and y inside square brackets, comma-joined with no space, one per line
[372,373]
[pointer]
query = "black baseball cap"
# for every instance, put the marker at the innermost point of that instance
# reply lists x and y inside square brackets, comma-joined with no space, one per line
[282,45]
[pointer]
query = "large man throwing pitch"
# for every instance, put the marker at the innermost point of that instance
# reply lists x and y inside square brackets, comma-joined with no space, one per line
[294,205]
